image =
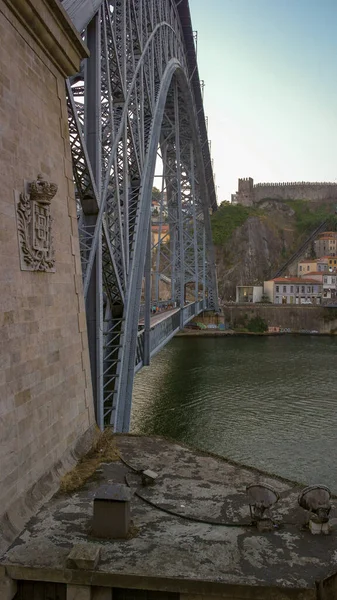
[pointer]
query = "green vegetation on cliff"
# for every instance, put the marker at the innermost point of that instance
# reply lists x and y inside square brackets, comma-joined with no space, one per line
[227,218]
[308,217]
[253,243]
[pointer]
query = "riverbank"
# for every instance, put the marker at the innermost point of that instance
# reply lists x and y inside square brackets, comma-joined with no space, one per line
[280,318]
[217,333]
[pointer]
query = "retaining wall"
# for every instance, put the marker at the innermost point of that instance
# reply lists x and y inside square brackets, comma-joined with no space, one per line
[296,318]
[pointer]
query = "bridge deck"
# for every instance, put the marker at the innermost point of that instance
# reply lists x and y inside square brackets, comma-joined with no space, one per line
[163,326]
[159,317]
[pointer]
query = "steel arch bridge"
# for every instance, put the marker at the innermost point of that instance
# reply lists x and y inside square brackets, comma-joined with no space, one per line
[135,110]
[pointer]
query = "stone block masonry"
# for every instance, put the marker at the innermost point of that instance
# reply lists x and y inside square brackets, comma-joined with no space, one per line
[46,406]
[249,193]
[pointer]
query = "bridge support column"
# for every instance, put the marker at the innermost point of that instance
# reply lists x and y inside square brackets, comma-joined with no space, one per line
[181,297]
[94,302]
[147,294]
[204,269]
[195,225]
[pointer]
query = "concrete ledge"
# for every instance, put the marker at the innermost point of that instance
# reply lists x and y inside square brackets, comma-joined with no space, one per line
[13,521]
[49,25]
[8,588]
[186,587]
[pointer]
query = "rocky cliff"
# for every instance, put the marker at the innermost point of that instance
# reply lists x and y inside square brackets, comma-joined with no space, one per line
[252,243]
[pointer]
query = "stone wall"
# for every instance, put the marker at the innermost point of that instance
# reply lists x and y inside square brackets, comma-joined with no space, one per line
[295,191]
[296,318]
[46,401]
[248,193]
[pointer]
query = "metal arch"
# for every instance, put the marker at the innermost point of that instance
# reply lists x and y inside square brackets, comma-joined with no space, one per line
[123,407]
[131,100]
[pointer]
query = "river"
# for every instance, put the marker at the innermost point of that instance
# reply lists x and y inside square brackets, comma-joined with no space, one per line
[269,402]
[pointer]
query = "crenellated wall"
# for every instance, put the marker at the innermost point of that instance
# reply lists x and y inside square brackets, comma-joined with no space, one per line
[248,193]
[302,190]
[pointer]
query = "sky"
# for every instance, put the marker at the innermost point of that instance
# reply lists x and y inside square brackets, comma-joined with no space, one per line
[270,72]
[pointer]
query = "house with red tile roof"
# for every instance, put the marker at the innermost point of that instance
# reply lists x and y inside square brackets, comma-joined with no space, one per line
[293,290]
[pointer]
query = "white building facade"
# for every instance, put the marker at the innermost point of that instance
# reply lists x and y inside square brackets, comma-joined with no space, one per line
[293,290]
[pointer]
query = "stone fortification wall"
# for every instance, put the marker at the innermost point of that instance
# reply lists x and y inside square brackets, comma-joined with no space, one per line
[295,191]
[248,193]
[46,403]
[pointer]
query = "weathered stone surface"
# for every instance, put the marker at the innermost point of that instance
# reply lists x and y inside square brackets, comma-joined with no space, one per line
[192,531]
[45,399]
[101,593]
[78,592]
[8,588]
[83,556]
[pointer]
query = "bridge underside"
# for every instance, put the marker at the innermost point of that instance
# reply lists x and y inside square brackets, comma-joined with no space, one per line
[136,122]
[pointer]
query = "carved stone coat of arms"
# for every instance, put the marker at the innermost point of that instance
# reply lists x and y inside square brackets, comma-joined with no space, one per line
[35,225]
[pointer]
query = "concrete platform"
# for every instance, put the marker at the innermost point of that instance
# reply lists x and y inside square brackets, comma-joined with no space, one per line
[208,547]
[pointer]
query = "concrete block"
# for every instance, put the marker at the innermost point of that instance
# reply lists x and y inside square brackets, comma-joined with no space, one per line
[264,525]
[112,511]
[8,588]
[84,556]
[101,593]
[149,477]
[79,592]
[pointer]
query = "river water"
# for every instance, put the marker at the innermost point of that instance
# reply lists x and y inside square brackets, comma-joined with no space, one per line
[269,402]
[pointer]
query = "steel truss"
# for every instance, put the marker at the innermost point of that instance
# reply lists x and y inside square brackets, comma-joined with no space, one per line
[137,98]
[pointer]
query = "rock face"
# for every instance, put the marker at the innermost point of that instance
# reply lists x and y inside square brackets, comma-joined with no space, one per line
[257,248]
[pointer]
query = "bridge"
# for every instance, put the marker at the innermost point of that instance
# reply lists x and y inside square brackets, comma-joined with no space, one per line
[136,116]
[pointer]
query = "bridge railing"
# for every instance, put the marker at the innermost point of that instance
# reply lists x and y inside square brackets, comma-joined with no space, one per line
[164,330]
[191,310]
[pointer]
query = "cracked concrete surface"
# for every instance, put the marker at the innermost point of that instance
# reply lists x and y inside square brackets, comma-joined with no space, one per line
[226,552]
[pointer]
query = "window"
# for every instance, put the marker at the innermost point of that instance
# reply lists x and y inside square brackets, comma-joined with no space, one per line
[308,268]
[291,288]
[308,289]
[302,289]
[300,267]
[277,288]
[284,288]
[325,279]
[277,299]
[297,289]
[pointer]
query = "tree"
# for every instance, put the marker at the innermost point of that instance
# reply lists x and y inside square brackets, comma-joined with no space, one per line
[156,194]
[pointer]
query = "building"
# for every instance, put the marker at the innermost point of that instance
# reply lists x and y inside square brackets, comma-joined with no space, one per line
[323,264]
[249,293]
[161,232]
[332,263]
[317,275]
[306,266]
[293,290]
[326,244]
[329,286]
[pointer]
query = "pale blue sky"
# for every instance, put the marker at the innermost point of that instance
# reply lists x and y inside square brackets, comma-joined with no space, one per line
[270,71]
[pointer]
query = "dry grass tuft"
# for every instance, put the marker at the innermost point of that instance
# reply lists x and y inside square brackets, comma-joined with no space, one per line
[104,451]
